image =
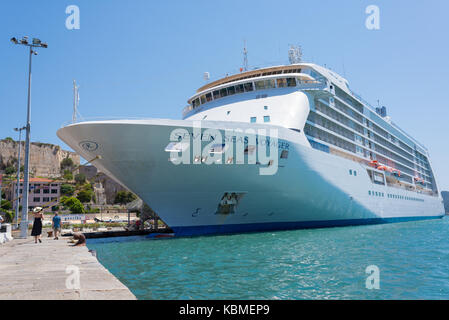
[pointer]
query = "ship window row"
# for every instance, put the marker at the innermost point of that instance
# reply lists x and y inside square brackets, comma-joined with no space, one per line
[338,117]
[370,125]
[322,135]
[340,106]
[376,194]
[379,148]
[393,196]
[334,140]
[321,107]
[393,156]
[345,97]
[399,197]
[245,87]
[403,141]
[393,147]
[263,74]
[351,124]
[330,125]
[358,150]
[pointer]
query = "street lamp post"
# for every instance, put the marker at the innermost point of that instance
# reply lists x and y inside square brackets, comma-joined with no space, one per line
[36,43]
[18,176]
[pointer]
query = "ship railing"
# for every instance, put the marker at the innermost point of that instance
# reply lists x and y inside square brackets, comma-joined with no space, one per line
[319,84]
[93,119]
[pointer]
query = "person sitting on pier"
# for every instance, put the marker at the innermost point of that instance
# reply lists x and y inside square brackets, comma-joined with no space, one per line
[81,239]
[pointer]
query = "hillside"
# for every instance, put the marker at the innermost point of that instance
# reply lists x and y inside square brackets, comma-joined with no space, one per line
[45,158]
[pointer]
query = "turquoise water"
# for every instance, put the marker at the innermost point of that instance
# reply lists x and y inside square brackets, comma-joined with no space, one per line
[413,259]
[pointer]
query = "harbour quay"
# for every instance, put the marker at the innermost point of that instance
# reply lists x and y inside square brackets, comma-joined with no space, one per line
[55,270]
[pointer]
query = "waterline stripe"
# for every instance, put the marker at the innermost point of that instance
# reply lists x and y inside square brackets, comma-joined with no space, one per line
[280,226]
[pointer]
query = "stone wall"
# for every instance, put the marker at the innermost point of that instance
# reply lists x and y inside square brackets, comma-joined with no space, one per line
[45,158]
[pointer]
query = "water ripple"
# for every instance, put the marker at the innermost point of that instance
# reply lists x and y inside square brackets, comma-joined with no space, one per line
[304,264]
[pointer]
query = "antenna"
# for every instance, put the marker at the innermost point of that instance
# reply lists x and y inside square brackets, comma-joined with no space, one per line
[206,76]
[295,54]
[76,100]
[245,57]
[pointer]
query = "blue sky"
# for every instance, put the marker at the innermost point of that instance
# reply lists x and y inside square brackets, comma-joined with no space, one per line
[144,58]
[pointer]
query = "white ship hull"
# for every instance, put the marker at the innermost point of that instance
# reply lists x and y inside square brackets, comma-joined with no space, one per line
[310,189]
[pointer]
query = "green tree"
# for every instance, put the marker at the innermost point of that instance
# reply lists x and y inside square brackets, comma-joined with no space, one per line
[9,216]
[80,178]
[6,205]
[68,175]
[85,195]
[124,197]
[67,163]
[10,170]
[9,139]
[73,204]
[67,189]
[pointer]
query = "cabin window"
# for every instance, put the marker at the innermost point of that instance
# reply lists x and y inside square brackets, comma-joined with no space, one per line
[248,87]
[291,82]
[260,85]
[208,97]
[253,119]
[239,88]
[223,92]
[265,107]
[270,84]
[350,172]
[282,83]
[266,119]
[231,90]
[196,102]
[203,99]
[216,94]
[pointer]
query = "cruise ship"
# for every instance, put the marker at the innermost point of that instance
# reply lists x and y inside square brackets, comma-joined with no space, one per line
[333,159]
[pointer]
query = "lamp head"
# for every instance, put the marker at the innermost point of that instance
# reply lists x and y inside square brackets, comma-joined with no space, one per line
[14,40]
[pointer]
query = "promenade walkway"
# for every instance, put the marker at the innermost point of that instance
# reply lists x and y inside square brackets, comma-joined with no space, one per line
[49,271]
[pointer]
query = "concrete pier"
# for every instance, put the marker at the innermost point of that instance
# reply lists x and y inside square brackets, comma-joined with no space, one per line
[49,271]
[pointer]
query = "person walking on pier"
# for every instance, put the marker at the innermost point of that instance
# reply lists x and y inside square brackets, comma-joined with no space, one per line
[56,222]
[37,224]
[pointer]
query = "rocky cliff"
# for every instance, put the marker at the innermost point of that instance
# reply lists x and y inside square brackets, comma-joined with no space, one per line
[45,158]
